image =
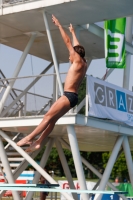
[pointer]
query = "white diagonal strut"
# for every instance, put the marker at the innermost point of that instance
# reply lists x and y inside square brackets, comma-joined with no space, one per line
[65,166]
[128,157]
[42,164]
[26,90]
[7,169]
[53,52]
[109,166]
[24,164]
[32,162]
[17,70]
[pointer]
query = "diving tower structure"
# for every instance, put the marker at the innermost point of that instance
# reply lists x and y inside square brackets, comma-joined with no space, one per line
[27,26]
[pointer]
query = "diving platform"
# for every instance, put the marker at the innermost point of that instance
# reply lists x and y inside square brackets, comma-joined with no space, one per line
[93,134]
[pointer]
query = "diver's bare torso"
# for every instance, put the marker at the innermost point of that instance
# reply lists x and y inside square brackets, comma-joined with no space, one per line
[75,76]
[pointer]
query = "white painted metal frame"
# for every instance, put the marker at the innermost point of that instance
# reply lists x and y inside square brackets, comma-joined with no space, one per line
[32,162]
[26,90]
[128,37]
[77,160]
[7,169]
[42,164]
[53,52]
[17,70]
[95,171]
[24,164]
[126,79]
[129,160]
[109,166]
[65,166]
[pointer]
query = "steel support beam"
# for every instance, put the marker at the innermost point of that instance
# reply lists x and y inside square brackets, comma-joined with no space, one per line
[128,36]
[126,82]
[65,167]
[109,166]
[7,169]
[32,162]
[95,171]
[26,90]
[15,137]
[77,159]
[54,86]
[17,70]
[24,164]
[53,52]
[42,164]
[25,104]
[128,156]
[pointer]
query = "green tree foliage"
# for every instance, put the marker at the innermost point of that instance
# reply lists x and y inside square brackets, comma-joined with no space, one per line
[54,162]
[98,159]
[120,166]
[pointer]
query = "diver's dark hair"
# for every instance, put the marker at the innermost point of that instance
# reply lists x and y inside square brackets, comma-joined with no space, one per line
[80,50]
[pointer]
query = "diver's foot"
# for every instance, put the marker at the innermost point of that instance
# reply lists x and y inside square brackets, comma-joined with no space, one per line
[24,141]
[33,147]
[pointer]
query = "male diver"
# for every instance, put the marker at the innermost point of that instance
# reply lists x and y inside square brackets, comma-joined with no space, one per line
[74,77]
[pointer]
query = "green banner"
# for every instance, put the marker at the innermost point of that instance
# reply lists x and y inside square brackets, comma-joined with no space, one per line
[115,43]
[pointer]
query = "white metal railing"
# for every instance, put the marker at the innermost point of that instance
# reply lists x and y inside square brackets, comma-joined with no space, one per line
[21,106]
[30,103]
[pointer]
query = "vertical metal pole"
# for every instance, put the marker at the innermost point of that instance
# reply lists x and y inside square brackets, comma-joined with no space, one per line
[7,169]
[20,113]
[54,87]
[42,164]
[16,136]
[77,159]
[17,70]
[53,52]
[65,167]
[128,156]
[25,104]
[109,166]
[87,97]
[128,36]
[86,100]
[126,81]
[32,162]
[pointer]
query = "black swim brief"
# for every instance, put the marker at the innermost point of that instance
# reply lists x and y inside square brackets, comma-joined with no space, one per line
[72,97]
